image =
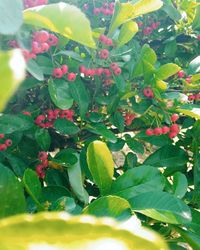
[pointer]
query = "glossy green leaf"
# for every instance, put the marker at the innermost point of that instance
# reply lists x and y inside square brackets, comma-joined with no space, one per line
[51,194]
[161,206]
[194,66]
[66,127]
[33,186]
[109,206]
[127,11]
[180,185]
[171,11]
[43,138]
[64,19]
[60,231]
[148,55]
[12,72]
[167,70]
[66,204]
[192,111]
[66,157]
[11,17]
[35,70]
[80,95]
[101,165]
[59,92]
[11,193]
[127,32]
[167,156]
[101,129]
[190,237]
[135,146]
[76,181]
[13,123]
[136,181]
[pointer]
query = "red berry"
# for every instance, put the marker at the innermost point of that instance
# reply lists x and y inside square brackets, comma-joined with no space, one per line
[36,48]
[117,71]
[174,128]
[40,171]
[103,54]
[39,119]
[149,132]
[172,135]
[96,11]
[165,130]
[71,77]
[102,38]
[82,69]
[107,72]
[191,98]
[64,69]
[42,155]
[157,131]
[2,136]
[57,73]
[26,113]
[197,97]
[198,37]
[140,24]
[99,71]
[181,74]
[109,42]
[56,113]
[108,82]
[114,66]
[41,36]
[148,92]
[147,31]
[44,47]
[174,117]
[53,40]
[3,147]
[8,142]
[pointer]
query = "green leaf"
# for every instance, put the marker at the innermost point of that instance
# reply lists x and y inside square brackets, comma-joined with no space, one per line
[101,165]
[80,95]
[136,181]
[191,238]
[11,193]
[12,72]
[59,92]
[196,21]
[135,146]
[64,19]
[33,186]
[13,123]
[167,70]
[61,231]
[35,70]
[171,11]
[66,127]
[101,129]
[194,66]
[10,16]
[192,111]
[66,204]
[43,138]
[51,194]
[66,157]
[118,120]
[148,55]
[167,156]
[180,185]
[126,11]
[161,206]
[127,32]
[76,182]
[109,206]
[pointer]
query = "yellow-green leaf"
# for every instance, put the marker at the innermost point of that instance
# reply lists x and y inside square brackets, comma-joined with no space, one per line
[12,72]
[60,231]
[167,70]
[127,32]
[64,19]
[101,165]
[126,11]
[194,112]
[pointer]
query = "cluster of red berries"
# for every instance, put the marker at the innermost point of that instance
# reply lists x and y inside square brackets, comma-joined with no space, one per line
[129,117]
[148,92]
[106,9]
[194,97]
[103,54]
[34,3]
[149,29]
[105,40]
[7,143]
[59,72]
[172,131]
[40,169]
[181,74]
[42,41]
[47,120]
